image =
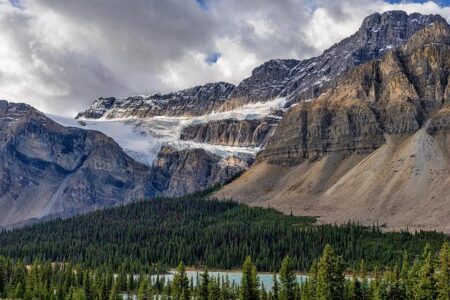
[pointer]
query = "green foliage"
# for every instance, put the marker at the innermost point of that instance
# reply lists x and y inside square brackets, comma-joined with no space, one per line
[42,280]
[288,279]
[249,284]
[217,234]
[443,277]
[180,284]
[330,276]
[204,285]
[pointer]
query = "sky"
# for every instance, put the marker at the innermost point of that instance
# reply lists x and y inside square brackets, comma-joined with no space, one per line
[60,55]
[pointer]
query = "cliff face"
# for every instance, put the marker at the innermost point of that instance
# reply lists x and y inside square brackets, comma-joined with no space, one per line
[195,101]
[191,170]
[307,79]
[49,170]
[231,132]
[394,95]
[373,147]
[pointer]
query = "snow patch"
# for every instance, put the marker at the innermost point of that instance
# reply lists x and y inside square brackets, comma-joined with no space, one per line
[142,139]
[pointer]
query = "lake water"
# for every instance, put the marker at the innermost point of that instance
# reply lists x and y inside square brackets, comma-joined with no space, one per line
[233,276]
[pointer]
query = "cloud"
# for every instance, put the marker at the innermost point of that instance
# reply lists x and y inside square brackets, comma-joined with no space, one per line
[61,55]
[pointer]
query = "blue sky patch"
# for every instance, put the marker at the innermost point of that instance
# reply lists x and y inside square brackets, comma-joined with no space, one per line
[203,4]
[16,3]
[212,58]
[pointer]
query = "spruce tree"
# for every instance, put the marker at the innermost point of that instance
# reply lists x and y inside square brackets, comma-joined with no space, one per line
[425,287]
[249,284]
[114,293]
[143,289]
[287,279]
[275,287]
[330,276]
[443,277]
[214,289]
[180,284]
[263,293]
[204,284]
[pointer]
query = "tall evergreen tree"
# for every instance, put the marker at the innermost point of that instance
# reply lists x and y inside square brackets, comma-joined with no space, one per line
[249,283]
[288,279]
[443,277]
[425,286]
[180,284]
[204,284]
[330,276]
[275,287]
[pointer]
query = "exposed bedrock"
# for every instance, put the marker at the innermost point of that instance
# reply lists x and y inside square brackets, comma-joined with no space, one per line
[231,132]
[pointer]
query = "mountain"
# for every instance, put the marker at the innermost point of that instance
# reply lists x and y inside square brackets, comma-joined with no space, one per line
[237,121]
[306,79]
[48,170]
[311,126]
[374,147]
[195,101]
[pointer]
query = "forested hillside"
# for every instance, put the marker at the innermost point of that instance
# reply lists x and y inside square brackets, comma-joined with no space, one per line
[217,234]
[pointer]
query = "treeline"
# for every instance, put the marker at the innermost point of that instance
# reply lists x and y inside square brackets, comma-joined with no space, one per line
[217,234]
[428,277]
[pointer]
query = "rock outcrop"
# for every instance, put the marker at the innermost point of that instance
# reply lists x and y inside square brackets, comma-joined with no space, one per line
[306,79]
[393,95]
[50,170]
[231,132]
[191,170]
[195,101]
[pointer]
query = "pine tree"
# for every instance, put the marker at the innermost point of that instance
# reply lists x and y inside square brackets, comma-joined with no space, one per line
[143,289]
[263,293]
[114,293]
[425,287]
[214,289]
[443,277]
[330,276]
[404,274]
[288,280]
[180,284]
[204,284]
[249,284]
[275,288]
[3,277]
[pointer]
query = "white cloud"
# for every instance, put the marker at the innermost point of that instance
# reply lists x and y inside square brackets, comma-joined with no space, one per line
[60,55]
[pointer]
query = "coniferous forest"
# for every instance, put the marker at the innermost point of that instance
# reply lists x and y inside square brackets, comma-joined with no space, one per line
[159,233]
[428,277]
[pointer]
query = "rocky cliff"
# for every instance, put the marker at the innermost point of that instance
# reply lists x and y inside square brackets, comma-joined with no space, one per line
[195,101]
[373,147]
[231,132]
[48,170]
[191,170]
[393,95]
[307,79]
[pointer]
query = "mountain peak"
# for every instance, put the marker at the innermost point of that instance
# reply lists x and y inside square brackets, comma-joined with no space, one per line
[437,32]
